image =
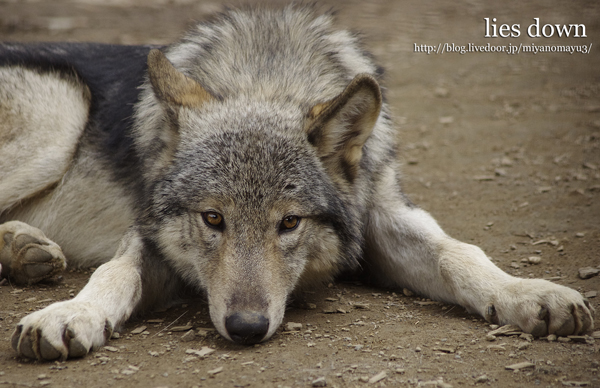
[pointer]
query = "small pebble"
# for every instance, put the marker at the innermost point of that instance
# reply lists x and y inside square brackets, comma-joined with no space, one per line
[482,379]
[181,328]
[441,92]
[293,326]
[446,120]
[215,371]
[544,189]
[527,337]
[591,294]
[588,272]
[320,382]
[188,336]
[564,339]
[534,260]
[378,377]
[205,351]
[551,338]
[519,366]
[138,330]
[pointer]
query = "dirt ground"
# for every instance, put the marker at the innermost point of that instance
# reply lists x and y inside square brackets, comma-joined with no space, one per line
[504,150]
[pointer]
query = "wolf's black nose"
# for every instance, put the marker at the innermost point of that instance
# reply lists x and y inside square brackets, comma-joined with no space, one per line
[247,327]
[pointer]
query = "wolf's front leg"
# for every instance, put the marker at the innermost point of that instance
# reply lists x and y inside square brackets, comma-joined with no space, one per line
[72,328]
[407,248]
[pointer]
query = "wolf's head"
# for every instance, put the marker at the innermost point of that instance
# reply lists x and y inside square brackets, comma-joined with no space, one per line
[249,197]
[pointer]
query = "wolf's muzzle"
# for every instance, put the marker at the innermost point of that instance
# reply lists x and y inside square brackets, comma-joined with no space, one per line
[247,327]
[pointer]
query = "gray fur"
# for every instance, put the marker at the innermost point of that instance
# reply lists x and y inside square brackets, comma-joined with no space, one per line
[267,162]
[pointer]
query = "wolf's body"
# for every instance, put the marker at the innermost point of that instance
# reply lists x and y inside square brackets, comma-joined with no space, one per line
[254,157]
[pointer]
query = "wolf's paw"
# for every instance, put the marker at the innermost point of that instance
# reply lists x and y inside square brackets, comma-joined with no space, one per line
[27,255]
[540,307]
[63,330]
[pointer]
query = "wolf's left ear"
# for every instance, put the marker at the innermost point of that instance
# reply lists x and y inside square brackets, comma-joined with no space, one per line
[171,86]
[340,127]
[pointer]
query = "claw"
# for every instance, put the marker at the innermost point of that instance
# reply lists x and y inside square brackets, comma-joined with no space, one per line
[491,315]
[583,318]
[108,330]
[15,337]
[543,314]
[541,329]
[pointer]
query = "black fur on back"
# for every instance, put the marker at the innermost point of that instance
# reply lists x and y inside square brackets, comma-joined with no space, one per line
[113,74]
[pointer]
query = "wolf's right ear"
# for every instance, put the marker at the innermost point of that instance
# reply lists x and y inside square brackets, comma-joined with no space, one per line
[171,86]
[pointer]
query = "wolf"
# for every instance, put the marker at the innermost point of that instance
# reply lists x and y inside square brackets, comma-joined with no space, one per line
[252,158]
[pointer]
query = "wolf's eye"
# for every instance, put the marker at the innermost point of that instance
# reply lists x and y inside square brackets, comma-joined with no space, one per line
[289,223]
[213,220]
